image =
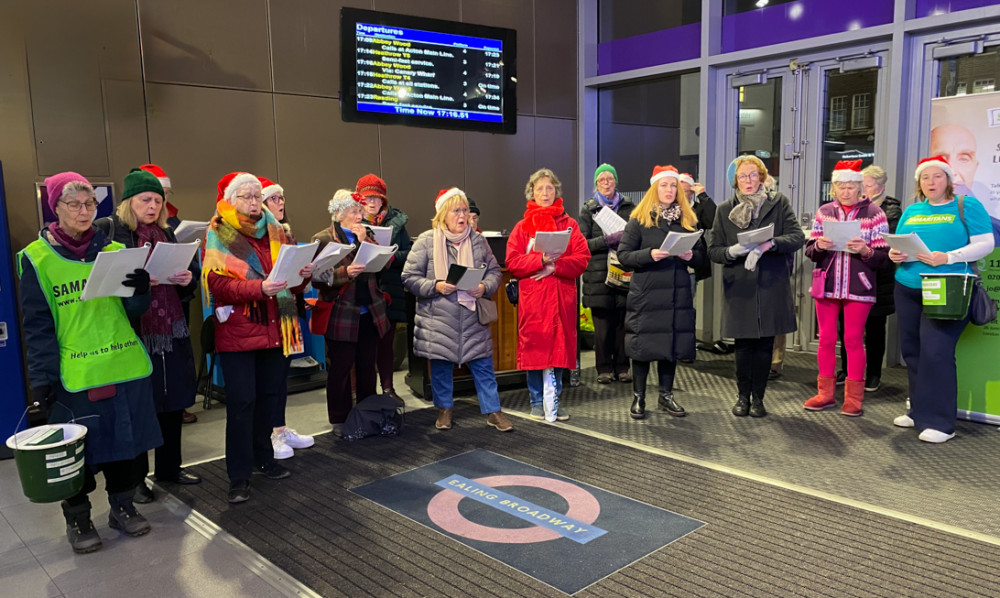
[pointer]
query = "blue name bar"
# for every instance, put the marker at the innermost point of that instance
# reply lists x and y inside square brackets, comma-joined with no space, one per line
[567,526]
[430,112]
[429,37]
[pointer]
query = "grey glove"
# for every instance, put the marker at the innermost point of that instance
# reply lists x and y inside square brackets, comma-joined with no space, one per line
[752,257]
[612,239]
[737,250]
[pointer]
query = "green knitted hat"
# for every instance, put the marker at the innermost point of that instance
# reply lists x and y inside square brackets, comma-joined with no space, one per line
[605,168]
[138,181]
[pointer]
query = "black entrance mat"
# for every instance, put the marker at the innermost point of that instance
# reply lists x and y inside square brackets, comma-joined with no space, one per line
[760,540]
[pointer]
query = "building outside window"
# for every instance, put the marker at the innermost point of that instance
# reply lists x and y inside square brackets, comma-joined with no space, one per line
[838,113]
[861,110]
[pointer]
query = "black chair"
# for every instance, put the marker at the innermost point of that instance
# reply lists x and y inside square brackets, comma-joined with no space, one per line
[208,356]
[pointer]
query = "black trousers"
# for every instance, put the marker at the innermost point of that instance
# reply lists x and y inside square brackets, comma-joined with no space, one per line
[168,454]
[341,356]
[609,340]
[874,344]
[255,382]
[665,369]
[385,358]
[278,415]
[119,476]
[753,364]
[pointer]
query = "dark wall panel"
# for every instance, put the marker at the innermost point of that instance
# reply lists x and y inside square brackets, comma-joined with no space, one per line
[496,169]
[555,148]
[517,15]
[620,146]
[199,134]
[318,154]
[221,43]
[450,10]
[556,67]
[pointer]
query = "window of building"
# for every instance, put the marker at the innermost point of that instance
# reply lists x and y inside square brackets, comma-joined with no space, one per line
[861,110]
[838,113]
[983,85]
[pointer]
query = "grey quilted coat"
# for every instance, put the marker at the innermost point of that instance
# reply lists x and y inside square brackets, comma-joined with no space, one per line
[445,329]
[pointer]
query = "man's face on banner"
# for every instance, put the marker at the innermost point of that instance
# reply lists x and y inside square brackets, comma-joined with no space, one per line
[958,146]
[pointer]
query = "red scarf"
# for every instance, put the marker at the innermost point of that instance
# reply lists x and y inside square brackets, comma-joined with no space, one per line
[539,219]
[164,320]
[77,247]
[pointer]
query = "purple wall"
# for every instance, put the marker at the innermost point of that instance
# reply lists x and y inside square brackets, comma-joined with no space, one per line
[926,8]
[804,19]
[649,49]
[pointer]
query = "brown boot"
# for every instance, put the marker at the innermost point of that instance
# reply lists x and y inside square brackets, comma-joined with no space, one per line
[825,387]
[444,419]
[499,421]
[854,395]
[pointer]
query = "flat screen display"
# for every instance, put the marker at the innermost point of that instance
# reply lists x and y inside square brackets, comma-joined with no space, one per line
[399,69]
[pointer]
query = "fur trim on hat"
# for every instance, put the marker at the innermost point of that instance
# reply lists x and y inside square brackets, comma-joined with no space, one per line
[238,181]
[938,161]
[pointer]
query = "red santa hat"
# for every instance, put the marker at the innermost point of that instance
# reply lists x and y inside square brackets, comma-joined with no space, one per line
[231,182]
[847,171]
[660,172]
[686,178]
[446,194]
[269,188]
[156,171]
[938,161]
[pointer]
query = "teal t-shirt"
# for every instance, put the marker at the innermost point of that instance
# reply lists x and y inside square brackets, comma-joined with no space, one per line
[940,228]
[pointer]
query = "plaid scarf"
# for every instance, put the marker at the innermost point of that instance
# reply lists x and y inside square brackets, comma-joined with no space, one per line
[229,253]
[164,320]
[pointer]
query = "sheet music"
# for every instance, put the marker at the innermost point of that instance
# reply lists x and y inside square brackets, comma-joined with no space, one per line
[108,273]
[677,243]
[840,232]
[291,259]
[168,259]
[757,236]
[331,255]
[374,257]
[609,221]
[552,243]
[383,234]
[189,230]
[471,279]
[911,244]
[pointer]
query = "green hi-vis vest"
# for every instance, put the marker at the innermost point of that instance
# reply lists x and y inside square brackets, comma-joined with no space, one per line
[97,345]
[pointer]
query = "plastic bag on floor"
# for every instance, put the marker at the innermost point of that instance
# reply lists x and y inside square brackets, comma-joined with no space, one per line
[377,415]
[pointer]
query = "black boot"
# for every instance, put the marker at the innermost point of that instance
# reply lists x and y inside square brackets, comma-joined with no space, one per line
[638,410]
[80,529]
[671,406]
[757,408]
[143,494]
[742,406]
[123,515]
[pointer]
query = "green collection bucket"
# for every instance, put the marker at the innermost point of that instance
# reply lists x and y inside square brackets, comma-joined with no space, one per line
[49,461]
[946,296]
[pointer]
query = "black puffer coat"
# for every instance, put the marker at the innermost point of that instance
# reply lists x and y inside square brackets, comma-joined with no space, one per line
[595,292]
[885,277]
[390,280]
[659,315]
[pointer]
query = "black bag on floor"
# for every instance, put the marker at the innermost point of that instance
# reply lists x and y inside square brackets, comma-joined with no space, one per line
[377,415]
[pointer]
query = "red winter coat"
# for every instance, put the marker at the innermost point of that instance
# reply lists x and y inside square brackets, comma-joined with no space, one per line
[238,333]
[547,311]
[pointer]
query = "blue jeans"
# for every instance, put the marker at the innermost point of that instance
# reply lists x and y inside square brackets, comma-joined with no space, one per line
[535,389]
[443,386]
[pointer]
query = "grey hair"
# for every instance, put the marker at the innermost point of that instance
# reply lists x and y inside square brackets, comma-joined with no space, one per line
[529,189]
[340,201]
[74,187]
[877,173]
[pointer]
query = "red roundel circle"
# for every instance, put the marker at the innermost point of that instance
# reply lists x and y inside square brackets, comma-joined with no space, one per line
[443,510]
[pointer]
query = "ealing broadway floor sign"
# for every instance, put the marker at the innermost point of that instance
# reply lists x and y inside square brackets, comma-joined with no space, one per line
[559,531]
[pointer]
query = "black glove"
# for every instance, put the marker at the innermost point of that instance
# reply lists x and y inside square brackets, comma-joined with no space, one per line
[139,280]
[45,397]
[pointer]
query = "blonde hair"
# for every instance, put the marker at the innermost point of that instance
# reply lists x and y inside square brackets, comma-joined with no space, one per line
[877,173]
[647,213]
[758,164]
[127,216]
[449,204]
[529,189]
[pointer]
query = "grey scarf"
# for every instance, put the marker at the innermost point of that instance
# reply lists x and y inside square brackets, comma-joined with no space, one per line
[748,207]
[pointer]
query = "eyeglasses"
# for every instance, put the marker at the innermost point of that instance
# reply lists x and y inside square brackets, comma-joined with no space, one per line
[256,198]
[78,206]
[753,176]
[277,198]
[460,211]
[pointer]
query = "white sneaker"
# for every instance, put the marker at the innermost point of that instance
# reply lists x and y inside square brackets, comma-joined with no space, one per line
[281,450]
[934,436]
[295,440]
[903,421]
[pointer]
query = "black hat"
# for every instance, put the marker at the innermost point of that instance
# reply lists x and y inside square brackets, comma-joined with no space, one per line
[473,207]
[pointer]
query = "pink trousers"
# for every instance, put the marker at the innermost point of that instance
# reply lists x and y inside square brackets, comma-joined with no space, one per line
[855,315]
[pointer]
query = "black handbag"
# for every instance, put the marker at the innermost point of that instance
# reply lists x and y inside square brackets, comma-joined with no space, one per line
[982,307]
[511,289]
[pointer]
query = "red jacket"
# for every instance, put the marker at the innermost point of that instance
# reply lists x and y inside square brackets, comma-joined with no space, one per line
[547,312]
[238,333]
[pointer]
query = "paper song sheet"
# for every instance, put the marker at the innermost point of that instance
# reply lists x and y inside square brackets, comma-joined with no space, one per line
[552,243]
[291,259]
[168,259]
[757,236]
[609,221]
[189,230]
[840,232]
[911,244]
[465,278]
[108,273]
[383,234]
[374,257]
[331,255]
[677,243]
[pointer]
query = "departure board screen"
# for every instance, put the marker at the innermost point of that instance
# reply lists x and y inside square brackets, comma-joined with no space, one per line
[427,72]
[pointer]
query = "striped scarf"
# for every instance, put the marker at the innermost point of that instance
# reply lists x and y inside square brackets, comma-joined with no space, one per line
[229,253]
